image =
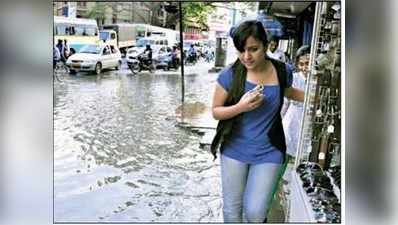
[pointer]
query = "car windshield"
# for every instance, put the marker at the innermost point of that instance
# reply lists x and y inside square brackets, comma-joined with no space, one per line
[163,50]
[90,49]
[131,51]
[104,35]
[143,42]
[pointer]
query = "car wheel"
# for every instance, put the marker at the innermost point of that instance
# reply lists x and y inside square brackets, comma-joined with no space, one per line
[98,68]
[72,71]
[119,65]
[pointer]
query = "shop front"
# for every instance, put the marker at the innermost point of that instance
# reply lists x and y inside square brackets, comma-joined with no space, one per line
[312,193]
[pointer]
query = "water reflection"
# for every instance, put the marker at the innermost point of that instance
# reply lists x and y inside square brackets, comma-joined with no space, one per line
[119,157]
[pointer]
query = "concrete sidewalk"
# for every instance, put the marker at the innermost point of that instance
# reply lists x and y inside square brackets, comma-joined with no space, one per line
[197,117]
[195,114]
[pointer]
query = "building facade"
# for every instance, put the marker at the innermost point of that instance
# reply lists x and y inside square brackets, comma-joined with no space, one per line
[116,12]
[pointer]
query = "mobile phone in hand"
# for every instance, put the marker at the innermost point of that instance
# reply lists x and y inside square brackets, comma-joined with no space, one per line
[259,88]
[258,91]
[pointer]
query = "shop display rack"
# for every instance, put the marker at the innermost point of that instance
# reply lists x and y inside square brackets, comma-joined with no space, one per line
[319,140]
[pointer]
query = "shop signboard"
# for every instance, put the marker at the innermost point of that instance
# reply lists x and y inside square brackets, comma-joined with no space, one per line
[219,20]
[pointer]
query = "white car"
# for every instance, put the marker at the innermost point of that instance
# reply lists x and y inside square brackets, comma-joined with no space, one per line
[93,57]
[132,53]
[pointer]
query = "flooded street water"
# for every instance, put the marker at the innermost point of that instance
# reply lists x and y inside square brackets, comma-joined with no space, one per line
[119,156]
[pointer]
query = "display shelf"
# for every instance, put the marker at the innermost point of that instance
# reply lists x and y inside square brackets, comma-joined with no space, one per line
[301,209]
[318,87]
[315,135]
[336,189]
[305,198]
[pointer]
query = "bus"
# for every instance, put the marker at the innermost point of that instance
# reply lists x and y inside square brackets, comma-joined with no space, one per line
[77,31]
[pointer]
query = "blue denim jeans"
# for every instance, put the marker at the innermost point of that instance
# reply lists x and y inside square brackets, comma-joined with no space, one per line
[247,189]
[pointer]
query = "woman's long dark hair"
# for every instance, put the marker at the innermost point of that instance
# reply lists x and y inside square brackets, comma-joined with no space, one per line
[239,35]
[246,29]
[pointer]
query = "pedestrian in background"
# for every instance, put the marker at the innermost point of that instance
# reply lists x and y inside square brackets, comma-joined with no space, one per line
[66,49]
[56,56]
[273,51]
[174,57]
[192,54]
[60,46]
[250,132]
[292,111]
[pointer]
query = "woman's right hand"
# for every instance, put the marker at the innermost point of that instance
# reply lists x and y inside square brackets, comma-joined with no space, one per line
[250,101]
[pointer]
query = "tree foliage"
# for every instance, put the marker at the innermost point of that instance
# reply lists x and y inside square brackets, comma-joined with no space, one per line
[196,13]
[97,12]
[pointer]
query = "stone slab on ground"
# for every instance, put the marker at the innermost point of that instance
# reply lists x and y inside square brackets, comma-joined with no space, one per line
[207,137]
[215,69]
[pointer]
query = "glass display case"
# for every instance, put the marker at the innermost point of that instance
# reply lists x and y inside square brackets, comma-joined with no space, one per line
[317,170]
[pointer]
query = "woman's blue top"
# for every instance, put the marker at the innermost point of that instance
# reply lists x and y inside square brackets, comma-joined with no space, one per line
[249,142]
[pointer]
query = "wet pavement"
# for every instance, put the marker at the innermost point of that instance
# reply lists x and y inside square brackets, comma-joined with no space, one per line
[119,155]
[126,150]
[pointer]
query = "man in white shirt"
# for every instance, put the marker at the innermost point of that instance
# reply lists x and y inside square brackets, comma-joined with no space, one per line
[273,51]
[56,56]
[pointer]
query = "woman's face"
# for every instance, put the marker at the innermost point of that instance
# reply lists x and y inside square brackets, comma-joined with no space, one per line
[253,54]
[303,63]
[272,46]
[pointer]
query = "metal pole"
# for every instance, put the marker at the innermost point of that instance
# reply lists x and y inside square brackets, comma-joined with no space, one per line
[310,76]
[181,55]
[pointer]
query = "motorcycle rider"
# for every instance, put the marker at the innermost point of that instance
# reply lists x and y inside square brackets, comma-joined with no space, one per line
[143,61]
[147,59]
[192,54]
[174,57]
[148,53]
